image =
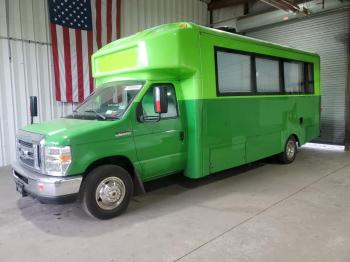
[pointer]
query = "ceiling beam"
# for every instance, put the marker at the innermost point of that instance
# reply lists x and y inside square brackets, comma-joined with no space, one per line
[217,4]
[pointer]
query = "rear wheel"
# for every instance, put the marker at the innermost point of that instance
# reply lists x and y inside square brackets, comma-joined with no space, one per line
[106,191]
[290,151]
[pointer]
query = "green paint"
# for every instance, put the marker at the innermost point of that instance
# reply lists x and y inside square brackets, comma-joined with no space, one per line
[220,132]
[125,59]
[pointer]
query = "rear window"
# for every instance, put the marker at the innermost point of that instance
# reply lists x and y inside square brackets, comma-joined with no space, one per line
[294,77]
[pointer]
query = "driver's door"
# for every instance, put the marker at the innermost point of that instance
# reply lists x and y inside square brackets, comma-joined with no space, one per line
[160,142]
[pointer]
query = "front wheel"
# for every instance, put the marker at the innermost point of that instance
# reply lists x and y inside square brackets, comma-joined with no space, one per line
[290,151]
[106,191]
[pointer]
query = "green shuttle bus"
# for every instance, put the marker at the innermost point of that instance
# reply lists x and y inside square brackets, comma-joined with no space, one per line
[174,98]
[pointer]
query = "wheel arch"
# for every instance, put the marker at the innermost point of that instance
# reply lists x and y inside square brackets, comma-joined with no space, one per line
[296,138]
[123,162]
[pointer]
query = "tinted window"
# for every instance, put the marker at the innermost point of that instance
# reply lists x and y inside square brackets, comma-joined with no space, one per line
[148,106]
[309,78]
[233,72]
[108,102]
[267,75]
[294,77]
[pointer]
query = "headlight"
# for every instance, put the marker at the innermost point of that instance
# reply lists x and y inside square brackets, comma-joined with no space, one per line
[57,160]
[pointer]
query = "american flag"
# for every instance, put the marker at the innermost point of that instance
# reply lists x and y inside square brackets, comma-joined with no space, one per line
[78,28]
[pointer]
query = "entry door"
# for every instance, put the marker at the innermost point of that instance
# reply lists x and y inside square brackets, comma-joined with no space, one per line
[160,143]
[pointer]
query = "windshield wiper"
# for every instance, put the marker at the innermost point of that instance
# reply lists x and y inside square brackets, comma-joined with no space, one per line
[97,113]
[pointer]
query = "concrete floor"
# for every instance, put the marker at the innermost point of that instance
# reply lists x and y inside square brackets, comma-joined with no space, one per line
[263,212]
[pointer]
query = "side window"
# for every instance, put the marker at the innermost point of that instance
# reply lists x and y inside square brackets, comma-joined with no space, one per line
[294,77]
[267,75]
[233,72]
[148,106]
[309,78]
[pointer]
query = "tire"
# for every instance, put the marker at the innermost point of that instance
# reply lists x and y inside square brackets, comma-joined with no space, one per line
[290,151]
[106,191]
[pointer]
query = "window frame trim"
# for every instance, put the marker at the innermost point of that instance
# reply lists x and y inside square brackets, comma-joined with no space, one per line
[254,91]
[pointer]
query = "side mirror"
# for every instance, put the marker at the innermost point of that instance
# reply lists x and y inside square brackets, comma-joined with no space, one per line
[160,99]
[33,107]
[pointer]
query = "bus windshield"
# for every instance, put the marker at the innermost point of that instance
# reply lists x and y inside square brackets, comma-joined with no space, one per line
[109,102]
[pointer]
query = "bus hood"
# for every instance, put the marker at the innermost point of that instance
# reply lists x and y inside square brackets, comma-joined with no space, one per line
[65,131]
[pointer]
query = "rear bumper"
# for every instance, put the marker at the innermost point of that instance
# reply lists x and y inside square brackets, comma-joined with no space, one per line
[47,188]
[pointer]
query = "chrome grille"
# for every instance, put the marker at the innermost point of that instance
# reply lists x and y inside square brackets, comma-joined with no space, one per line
[29,150]
[24,143]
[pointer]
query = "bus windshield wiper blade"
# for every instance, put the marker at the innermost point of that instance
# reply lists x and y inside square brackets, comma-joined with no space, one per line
[97,113]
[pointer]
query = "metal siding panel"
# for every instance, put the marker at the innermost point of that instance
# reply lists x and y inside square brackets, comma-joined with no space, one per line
[146,14]
[19,84]
[29,72]
[323,34]
[8,120]
[40,20]
[14,22]
[26,20]
[3,24]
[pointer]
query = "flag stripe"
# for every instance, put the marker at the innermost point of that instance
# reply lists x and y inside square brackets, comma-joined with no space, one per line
[114,20]
[85,63]
[109,20]
[80,69]
[119,5]
[104,23]
[93,14]
[55,61]
[60,45]
[98,24]
[90,51]
[73,56]
[68,63]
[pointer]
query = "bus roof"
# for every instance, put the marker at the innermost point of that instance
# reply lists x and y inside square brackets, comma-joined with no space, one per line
[222,33]
[165,48]
[151,32]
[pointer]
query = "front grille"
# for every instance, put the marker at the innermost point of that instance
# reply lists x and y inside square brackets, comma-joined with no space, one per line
[28,162]
[28,153]
[28,149]
[25,144]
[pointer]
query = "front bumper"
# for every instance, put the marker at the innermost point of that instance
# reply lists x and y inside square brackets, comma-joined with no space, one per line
[46,187]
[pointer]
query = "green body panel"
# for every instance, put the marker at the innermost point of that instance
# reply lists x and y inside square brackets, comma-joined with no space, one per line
[90,140]
[256,128]
[219,132]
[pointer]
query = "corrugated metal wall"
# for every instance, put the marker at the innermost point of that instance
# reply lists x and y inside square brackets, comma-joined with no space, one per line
[325,34]
[25,56]
[140,14]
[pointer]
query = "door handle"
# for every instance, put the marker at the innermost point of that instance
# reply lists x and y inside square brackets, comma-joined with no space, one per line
[182,135]
[123,133]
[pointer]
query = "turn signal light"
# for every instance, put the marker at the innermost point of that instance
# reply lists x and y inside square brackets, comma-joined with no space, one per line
[65,158]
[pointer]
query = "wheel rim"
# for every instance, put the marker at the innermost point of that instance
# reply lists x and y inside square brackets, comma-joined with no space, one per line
[110,193]
[290,150]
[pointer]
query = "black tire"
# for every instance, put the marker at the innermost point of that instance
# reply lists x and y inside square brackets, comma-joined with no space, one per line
[290,151]
[101,176]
